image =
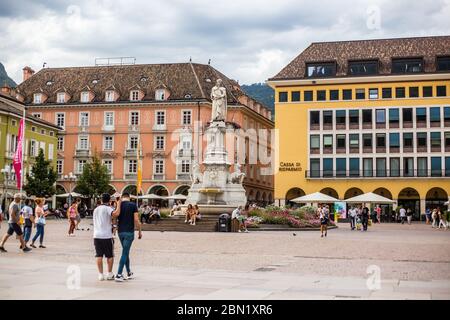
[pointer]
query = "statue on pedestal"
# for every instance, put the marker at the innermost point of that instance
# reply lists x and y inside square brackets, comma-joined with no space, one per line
[219,102]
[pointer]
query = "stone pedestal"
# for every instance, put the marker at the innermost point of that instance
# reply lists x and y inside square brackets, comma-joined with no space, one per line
[216,190]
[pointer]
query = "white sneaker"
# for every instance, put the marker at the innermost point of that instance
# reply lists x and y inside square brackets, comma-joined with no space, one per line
[119,278]
[239,230]
[185,221]
[246,231]
[130,276]
[110,276]
[101,277]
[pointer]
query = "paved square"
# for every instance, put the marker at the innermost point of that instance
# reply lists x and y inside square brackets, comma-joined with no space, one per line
[414,263]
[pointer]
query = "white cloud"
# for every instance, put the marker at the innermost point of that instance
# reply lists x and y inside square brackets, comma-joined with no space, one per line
[247,40]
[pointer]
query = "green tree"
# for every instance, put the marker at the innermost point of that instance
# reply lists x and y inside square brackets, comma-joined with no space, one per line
[41,181]
[94,180]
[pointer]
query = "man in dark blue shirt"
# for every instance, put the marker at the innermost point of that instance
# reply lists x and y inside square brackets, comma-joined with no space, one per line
[128,219]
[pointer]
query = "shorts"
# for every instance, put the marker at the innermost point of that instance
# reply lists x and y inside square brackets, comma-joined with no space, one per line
[104,248]
[14,227]
[324,222]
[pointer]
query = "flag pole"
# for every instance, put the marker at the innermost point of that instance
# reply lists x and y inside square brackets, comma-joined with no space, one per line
[21,164]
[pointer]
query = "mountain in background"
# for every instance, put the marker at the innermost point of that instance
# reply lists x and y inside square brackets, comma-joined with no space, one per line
[261,92]
[5,78]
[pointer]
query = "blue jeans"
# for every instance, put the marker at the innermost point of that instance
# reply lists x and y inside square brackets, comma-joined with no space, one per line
[126,239]
[39,233]
[27,233]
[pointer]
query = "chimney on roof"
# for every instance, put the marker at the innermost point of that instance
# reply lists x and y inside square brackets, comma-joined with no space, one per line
[27,73]
[5,89]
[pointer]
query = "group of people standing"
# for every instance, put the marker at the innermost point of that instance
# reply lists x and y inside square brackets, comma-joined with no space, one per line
[25,215]
[119,215]
[359,217]
[436,218]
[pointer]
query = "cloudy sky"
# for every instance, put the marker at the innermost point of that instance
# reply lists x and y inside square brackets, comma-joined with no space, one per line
[248,40]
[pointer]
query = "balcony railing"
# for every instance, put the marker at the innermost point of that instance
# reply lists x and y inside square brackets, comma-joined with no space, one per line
[363,174]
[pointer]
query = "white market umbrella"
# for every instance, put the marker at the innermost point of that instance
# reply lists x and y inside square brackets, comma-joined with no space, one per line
[317,197]
[177,197]
[71,194]
[370,197]
[151,196]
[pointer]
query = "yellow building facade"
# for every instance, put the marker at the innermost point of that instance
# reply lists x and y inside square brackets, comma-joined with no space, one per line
[366,116]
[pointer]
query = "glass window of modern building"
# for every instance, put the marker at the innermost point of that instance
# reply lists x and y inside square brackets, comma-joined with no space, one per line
[368,167]
[422,142]
[341,118]
[308,95]
[354,141]
[381,167]
[408,141]
[314,119]
[328,119]
[367,118]
[387,93]
[435,115]
[341,144]
[421,117]
[360,94]
[354,118]
[315,142]
[394,167]
[436,166]
[394,117]
[441,91]
[380,116]
[400,93]
[328,141]
[414,65]
[319,70]
[327,167]
[361,68]
[321,95]
[367,140]
[295,96]
[347,94]
[354,167]
[381,140]
[407,114]
[408,167]
[315,168]
[341,167]
[443,63]
[394,140]
[283,97]
[334,95]
[413,92]
[373,94]
[422,167]
[427,92]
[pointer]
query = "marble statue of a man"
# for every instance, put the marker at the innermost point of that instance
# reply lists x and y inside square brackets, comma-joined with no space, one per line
[219,102]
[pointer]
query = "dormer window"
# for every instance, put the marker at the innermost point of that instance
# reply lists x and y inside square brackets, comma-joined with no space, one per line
[134,95]
[160,94]
[109,96]
[414,65]
[61,97]
[84,96]
[443,63]
[319,70]
[361,68]
[37,98]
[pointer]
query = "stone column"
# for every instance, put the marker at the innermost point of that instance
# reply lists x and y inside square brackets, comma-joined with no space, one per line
[423,207]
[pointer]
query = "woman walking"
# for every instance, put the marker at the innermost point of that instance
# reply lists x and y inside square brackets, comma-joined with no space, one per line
[442,219]
[72,213]
[40,215]
[434,217]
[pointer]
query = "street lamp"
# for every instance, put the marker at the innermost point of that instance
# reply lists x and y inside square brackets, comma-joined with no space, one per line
[71,177]
[7,173]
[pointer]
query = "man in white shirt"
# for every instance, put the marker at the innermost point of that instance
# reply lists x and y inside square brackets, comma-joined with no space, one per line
[103,237]
[353,214]
[236,214]
[402,214]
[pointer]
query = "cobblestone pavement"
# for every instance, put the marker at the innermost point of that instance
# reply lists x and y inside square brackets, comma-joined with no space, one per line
[413,263]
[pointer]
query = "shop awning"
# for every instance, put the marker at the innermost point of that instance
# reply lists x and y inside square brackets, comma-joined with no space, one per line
[370,198]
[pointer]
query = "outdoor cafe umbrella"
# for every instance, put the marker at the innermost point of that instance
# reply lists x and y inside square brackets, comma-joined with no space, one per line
[317,197]
[72,194]
[151,196]
[370,198]
[177,197]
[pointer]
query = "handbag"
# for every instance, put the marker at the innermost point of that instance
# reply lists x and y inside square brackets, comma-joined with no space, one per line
[41,220]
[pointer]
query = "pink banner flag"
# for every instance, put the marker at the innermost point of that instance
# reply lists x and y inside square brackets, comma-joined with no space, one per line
[17,162]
